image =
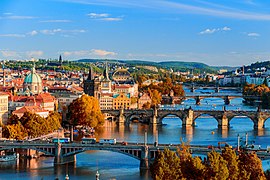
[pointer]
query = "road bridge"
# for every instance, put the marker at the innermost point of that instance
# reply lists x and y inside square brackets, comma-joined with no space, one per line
[188,116]
[145,153]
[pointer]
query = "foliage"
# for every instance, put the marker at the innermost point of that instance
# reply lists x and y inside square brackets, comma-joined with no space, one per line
[155,97]
[31,125]
[227,166]
[85,111]
[230,156]
[262,91]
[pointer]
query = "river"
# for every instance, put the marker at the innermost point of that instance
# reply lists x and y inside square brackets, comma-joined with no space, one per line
[111,165]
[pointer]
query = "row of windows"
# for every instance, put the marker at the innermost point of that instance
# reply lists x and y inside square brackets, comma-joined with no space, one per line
[61,100]
[3,100]
[121,104]
[3,108]
[106,100]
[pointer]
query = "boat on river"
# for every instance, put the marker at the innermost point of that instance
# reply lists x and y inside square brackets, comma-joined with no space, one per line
[6,158]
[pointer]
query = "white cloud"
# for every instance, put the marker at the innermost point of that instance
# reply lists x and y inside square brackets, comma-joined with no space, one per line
[226,28]
[54,31]
[95,15]
[85,53]
[208,31]
[56,21]
[33,33]
[211,31]
[7,53]
[253,34]
[17,17]
[111,19]
[100,52]
[77,53]
[34,53]
[12,35]
[104,17]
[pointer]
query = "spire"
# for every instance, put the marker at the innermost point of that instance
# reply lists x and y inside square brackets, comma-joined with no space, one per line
[33,68]
[106,72]
[91,74]
[60,59]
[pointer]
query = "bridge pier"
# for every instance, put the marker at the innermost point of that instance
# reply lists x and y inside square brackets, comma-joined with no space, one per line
[154,119]
[144,162]
[227,100]
[223,122]
[259,122]
[121,118]
[198,100]
[59,158]
[189,119]
[217,89]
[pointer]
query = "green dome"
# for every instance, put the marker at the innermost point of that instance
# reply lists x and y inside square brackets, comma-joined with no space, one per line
[32,78]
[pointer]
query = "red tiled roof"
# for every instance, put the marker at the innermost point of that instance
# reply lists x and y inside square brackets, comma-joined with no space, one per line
[32,109]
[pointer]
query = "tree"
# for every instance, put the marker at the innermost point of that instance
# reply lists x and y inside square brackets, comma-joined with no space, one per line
[54,121]
[13,119]
[85,111]
[166,166]
[155,97]
[216,167]
[250,166]
[230,156]
[178,90]
[15,131]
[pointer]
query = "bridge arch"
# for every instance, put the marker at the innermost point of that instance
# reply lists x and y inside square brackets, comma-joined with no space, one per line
[134,153]
[209,119]
[241,121]
[179,114]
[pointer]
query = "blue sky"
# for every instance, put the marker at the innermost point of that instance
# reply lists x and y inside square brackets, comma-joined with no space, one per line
[215,32]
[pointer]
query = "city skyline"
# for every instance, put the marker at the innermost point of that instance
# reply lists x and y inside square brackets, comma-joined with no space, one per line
[221,33]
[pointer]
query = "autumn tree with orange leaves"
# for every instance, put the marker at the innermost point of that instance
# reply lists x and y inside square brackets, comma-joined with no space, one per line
[85,111]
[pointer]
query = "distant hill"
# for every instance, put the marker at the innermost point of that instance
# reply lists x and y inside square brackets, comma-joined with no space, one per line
[174,65]
[258,66]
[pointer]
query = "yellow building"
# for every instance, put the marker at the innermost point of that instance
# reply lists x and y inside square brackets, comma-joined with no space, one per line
[121,100]
[3,108]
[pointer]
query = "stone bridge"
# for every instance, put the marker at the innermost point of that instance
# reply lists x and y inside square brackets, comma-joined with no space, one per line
[192,87]
[227,98]
[189,116]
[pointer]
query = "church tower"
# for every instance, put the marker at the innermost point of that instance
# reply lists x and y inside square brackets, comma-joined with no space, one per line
[60,59]
[106,84]
[89,83]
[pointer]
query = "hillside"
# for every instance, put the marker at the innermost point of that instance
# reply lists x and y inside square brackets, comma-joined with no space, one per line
[196,67]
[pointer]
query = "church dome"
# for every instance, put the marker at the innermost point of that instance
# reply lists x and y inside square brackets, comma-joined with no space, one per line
[33,82]
[32,78]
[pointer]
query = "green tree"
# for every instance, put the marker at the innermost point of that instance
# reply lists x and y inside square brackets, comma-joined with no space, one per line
[85,111]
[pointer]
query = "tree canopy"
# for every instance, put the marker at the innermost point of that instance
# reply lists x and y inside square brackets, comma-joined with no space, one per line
[227,165]
[31,125]
[85,111]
